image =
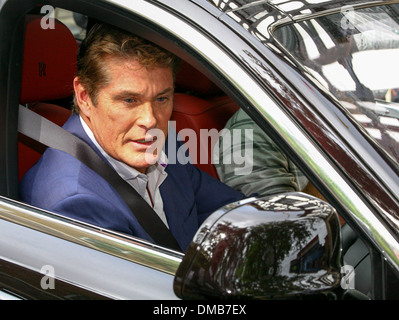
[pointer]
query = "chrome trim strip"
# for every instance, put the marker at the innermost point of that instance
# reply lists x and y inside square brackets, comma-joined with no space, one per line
[7,296]
[105,241]
[305,148]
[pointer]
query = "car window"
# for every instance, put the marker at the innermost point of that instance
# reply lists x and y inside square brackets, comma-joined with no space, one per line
[76,24]
[353,54]
[56,108]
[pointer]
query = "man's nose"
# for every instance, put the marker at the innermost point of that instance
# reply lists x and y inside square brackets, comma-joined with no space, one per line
[147,117]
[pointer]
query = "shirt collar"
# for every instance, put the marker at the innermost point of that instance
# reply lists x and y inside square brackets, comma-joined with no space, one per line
[125,171]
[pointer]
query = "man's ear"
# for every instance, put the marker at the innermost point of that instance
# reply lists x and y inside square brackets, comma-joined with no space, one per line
[82,98]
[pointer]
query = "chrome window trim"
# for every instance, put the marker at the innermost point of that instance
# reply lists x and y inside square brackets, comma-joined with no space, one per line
[297,139]
[119,245]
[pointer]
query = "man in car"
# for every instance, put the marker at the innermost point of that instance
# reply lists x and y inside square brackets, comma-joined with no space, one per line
[124,92]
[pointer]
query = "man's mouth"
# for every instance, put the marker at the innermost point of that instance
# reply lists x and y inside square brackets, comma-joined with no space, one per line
[147,141]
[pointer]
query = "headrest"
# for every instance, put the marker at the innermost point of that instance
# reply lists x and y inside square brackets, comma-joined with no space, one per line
[189,79]
[49,61]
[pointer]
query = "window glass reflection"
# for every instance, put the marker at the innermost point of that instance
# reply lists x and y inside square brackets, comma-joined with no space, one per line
[354,54]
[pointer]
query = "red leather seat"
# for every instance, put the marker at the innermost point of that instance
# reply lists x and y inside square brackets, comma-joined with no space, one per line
[49,66]
[206,108]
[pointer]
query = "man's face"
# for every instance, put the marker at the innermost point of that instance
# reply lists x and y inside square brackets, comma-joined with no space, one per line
[136,100]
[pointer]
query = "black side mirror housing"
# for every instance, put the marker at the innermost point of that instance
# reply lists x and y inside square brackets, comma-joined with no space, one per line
[284,246]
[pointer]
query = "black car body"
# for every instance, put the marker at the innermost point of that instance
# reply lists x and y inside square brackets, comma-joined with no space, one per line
[253,52]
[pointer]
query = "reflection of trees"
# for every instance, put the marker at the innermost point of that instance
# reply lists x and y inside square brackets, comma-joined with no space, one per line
[279,238]
[281,246]
[254,258]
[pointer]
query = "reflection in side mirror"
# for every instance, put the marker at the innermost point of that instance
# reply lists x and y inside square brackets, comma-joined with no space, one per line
[281,246]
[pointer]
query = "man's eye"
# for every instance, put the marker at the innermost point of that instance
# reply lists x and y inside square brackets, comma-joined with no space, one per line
[162,99]
[130,100]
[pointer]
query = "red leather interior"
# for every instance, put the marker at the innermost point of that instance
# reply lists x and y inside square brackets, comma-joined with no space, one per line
[49,66]
[190,80]
[196,113]
[49,62]
[204,107]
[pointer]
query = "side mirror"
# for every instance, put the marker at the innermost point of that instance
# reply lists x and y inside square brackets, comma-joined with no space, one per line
[275,247]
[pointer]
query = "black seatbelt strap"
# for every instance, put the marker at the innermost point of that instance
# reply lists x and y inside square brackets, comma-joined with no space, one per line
[51,135]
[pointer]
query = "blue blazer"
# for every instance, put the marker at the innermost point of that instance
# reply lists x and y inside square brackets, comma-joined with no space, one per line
[60,183]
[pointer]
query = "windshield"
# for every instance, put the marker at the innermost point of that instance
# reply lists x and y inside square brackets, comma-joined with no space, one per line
[355,55]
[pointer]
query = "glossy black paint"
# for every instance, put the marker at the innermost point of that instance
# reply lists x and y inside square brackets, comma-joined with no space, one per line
[281,246]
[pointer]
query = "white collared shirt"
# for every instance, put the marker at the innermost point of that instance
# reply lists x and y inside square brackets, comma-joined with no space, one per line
[142,183]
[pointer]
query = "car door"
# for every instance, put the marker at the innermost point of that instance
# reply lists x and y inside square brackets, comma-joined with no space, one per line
[210,42]
[49,257]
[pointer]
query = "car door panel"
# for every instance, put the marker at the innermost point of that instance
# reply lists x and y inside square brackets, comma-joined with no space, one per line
[43,255]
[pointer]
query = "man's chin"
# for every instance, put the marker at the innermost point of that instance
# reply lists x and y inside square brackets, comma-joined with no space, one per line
[144,164]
